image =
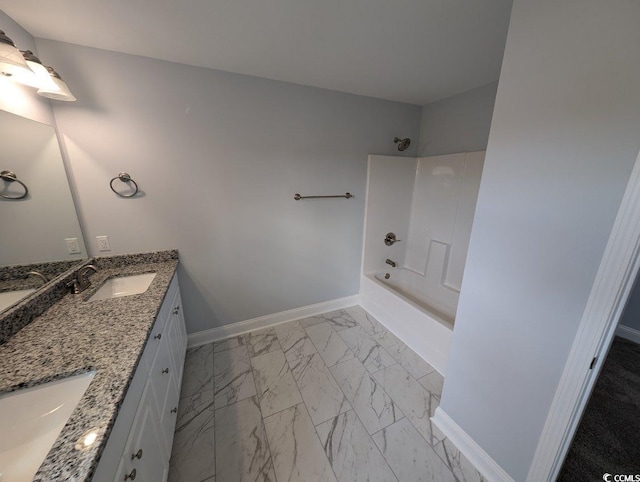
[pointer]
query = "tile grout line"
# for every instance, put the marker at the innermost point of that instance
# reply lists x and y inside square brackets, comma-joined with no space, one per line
[318,351]
[273,465]
[199,392]
[305,403]
[430,444]
[352,408]
[213,401]
[320,440]
[180,397]
[360,420]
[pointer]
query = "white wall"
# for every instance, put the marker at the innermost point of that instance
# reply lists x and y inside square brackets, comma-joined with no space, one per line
[459,123]
[389,194]
[15,98]
[564,138]
[219,157]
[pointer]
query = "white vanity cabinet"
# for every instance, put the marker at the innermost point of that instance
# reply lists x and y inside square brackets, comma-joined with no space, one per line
[140,460]
[139,447]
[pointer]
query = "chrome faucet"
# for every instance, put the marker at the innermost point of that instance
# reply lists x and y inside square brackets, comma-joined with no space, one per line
[38,274]
[82,281]
[392,263]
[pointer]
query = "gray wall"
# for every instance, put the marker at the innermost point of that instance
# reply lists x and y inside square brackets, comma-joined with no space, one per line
[458,124]
[631,316]
[219,157]
[564,138]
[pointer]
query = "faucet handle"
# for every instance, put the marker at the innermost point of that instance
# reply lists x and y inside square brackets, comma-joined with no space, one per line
[73,286]
[87,268]
[390,239]
[83,274]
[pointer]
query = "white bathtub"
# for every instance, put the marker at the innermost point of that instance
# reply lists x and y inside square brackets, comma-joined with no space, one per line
[407,314]
[414,287]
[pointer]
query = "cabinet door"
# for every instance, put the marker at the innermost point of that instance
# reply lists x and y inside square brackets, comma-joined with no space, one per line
[169,417]
[168,400]
[143,458]
[153,464]
[146,455]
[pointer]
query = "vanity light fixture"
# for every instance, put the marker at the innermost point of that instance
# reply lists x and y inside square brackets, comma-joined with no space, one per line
[24,67]
[61,92]
[40,76]
[11,60]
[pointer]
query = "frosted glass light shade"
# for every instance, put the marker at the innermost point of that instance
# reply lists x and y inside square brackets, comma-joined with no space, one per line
[11,60]
[61,92]
[38,75]
[41,77]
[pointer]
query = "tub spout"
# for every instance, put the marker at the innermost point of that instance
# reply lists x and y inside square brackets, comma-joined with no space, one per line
[392,263]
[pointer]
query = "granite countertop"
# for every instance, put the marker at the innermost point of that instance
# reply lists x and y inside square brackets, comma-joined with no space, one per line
[74,336]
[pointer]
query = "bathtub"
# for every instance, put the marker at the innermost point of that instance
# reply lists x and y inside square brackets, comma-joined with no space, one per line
[414,288]
[409,315]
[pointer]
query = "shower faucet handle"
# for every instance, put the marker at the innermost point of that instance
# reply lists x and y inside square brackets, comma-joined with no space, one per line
[390,239]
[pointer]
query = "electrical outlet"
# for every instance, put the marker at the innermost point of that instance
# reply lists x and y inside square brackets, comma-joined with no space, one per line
[73,247]
[103,243]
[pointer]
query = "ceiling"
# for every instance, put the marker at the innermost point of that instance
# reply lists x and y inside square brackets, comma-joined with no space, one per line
[414,51]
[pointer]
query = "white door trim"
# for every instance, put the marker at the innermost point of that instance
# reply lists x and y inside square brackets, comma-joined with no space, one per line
[612,285]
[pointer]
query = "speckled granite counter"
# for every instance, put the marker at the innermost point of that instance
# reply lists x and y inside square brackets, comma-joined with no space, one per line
[74,336]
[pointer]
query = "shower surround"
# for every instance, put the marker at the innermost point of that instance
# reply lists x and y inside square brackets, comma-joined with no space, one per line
[428,203]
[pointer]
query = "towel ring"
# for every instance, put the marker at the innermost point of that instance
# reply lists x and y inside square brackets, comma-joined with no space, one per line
[124,177]
[9,176]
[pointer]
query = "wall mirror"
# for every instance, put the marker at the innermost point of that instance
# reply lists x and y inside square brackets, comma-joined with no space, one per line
[41,236]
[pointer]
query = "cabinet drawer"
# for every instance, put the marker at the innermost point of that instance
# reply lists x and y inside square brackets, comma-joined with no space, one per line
[154,342]
[178,335]
[160,374]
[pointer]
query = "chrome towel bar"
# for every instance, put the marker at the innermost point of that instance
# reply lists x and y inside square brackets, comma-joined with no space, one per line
[10,177]
[297,196]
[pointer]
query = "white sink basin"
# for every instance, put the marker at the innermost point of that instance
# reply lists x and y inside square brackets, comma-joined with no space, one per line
[8,298]
[30,421]
[123,286]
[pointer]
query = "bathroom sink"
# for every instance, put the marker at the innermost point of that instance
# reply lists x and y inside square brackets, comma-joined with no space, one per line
[30,421]
[8,298]
[123,286]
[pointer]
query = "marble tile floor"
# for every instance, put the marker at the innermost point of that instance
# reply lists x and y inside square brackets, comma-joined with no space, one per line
[334,397]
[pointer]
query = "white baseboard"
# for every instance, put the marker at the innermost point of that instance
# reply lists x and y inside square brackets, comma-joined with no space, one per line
[481,460]
[241,327]
[630,334]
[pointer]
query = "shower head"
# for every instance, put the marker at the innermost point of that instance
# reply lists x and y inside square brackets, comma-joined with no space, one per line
[403,144]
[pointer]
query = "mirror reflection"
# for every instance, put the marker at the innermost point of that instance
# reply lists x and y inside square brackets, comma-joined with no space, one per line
[41,236]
